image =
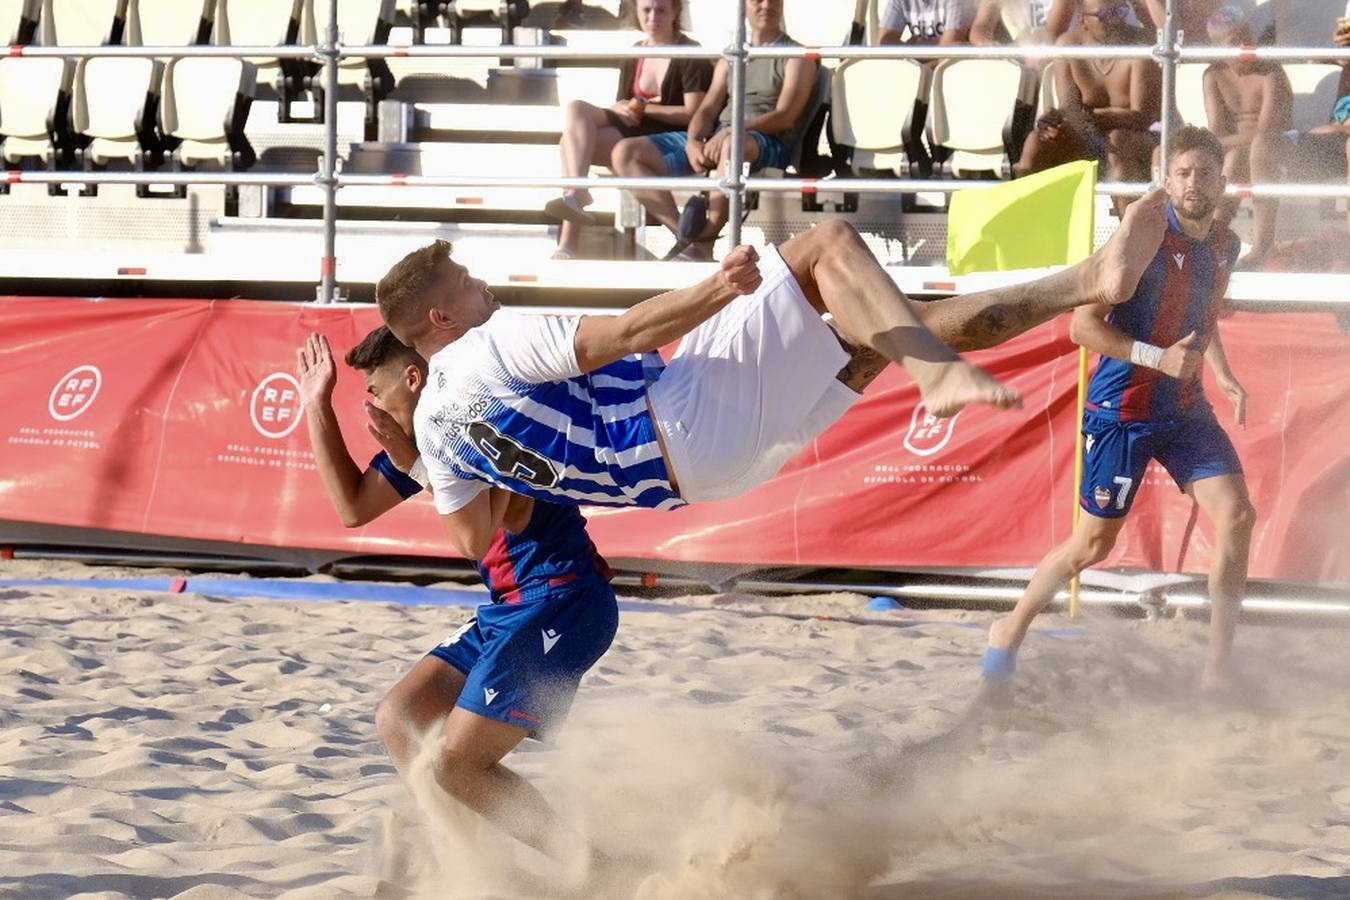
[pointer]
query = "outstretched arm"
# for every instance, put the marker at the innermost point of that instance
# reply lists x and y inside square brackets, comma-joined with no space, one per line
[651,324]
[358,497]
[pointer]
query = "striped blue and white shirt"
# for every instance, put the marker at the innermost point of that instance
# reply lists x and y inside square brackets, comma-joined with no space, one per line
[507,405]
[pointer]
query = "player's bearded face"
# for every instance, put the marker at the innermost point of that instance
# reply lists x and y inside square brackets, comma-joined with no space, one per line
[1195,184]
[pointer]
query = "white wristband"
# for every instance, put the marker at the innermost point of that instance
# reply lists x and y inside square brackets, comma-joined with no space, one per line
[1146,355]
[418,473]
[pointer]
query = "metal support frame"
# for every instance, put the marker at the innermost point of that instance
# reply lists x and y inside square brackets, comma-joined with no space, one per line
[733,183]
[331,51]
[1168,52]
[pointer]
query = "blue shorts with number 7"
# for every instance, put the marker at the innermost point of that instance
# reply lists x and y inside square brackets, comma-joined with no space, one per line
[1116,456]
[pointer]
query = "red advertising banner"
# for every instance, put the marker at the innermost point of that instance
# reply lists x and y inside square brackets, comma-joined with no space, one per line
[182,418]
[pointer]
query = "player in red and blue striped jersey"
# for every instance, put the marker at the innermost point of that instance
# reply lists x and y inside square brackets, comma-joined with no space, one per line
[513,669]
[1146,402]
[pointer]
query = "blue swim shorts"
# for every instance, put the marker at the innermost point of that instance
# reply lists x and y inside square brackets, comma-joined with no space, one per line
[773,152]
[523,661]
[1116,456]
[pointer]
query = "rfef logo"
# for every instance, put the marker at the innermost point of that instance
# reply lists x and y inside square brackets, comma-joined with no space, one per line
[275,406]
[927,433]
[74,393]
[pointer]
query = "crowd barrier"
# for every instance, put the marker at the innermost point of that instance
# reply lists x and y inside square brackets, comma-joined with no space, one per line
[329,51]
[183,418]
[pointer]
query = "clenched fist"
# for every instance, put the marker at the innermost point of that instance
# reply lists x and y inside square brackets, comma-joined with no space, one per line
[740,270]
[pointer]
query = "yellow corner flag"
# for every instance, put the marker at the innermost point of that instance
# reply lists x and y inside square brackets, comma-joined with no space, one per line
[1044,219]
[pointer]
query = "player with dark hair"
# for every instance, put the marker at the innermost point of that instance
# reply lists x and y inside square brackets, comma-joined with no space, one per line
[512,669]
[1146,402]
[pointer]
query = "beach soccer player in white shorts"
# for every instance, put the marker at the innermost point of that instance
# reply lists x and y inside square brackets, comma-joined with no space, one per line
[577,409]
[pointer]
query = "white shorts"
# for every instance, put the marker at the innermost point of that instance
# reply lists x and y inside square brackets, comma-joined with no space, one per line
[749,388]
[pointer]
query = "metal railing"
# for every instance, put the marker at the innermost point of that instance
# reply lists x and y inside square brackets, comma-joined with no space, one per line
[735,184]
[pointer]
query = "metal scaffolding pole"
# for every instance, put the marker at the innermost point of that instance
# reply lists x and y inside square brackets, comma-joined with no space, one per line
[733,184]
[1166,52]
[328,174]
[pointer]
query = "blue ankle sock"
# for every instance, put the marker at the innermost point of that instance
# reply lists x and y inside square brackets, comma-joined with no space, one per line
[999,664]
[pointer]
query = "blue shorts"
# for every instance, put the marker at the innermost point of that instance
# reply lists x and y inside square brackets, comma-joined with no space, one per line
[773,152]
[523,661]
[1116,456]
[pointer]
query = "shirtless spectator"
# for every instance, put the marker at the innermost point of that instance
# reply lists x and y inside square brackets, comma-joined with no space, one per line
[944,22]
[1311,156]
[1243,98]
[1106,109]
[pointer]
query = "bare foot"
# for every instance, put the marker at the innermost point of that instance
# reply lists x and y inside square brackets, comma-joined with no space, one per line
[1116,268]
[949,387]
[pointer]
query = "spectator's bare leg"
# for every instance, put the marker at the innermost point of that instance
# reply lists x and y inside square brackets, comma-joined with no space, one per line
[1129,157]
[587,139]
[1269,157]
[582,124]
[1237,168]
[719,204]
[719,207]
[1047,148]
[637,157]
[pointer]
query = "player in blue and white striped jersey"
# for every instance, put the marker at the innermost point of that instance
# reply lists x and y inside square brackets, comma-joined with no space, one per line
[572,409]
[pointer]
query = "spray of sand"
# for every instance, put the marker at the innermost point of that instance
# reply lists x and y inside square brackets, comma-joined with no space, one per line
[1105,769]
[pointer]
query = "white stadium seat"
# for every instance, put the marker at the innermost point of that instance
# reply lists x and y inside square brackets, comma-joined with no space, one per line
[711,22]
[114,108]
[33,95]
[975,112]
[83,23]
[264,23]
[505,12]
[822,23]
[878,109]
[170,23]
[1191,93]
[18,21]
[359,22]
[1314,87]
[205,107]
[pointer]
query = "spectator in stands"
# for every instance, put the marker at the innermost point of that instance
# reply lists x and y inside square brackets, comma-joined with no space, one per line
[655,96]
[1193,17]
[1243,98]
[777,94]
[571,14]
[1021,21]
[1316,155]
[1106,108]
[944,22]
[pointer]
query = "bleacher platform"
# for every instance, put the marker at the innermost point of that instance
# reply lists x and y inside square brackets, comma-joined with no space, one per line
[451,117]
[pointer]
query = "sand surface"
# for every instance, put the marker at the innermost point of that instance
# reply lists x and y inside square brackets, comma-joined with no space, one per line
[156,745]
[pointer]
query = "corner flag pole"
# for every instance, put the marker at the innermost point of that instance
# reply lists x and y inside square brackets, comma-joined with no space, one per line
[1076,582]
